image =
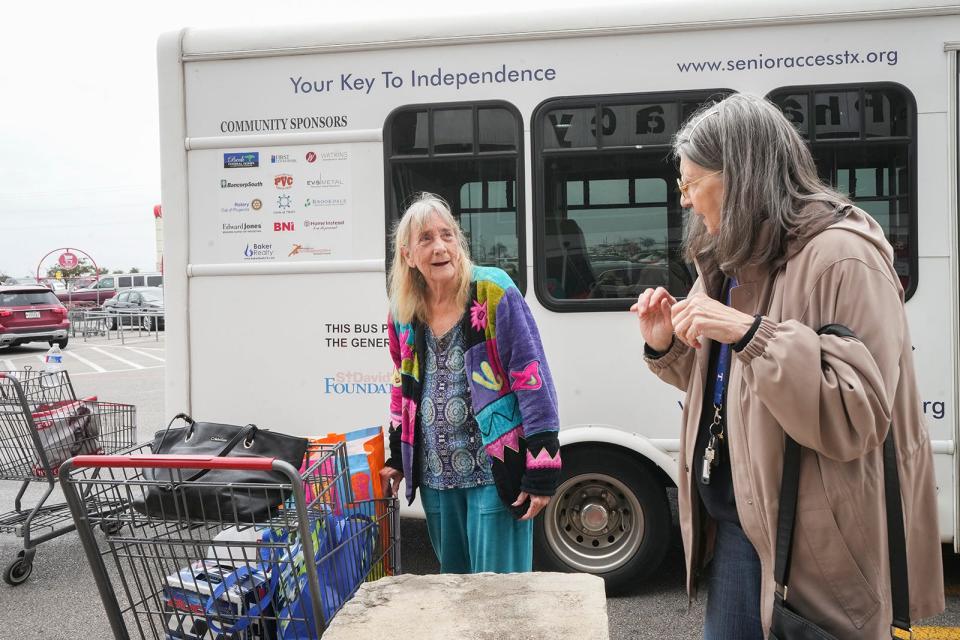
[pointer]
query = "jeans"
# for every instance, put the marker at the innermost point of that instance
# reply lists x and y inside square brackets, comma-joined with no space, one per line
[733,601]
[471,530]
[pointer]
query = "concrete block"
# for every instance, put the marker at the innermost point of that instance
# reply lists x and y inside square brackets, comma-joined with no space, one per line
[484,606]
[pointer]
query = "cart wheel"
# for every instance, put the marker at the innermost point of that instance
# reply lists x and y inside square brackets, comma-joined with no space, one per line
[17,572]
[111,527]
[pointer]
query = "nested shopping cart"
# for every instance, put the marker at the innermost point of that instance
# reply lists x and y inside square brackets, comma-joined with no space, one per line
[42,424]
[187,560]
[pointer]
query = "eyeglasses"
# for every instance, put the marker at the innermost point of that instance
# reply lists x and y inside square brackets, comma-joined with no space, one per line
[683,186]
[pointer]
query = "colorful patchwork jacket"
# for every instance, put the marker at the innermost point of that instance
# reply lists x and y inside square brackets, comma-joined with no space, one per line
[511,391]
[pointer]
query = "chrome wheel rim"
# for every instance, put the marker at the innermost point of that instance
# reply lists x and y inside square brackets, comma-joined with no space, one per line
[595,523]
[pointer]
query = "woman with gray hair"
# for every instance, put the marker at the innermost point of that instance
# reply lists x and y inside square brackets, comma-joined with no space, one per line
[795,331]
[473,411]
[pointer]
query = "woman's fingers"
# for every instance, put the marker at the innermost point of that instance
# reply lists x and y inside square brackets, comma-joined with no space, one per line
[537,503]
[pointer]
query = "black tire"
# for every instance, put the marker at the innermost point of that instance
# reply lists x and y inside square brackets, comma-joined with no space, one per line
[63,343]
[17,572]
[631,524]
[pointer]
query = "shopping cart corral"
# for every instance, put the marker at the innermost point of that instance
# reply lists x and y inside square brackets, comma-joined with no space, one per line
[183,559]
[42,424]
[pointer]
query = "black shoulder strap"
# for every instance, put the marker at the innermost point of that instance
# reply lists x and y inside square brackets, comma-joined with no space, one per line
[897,546]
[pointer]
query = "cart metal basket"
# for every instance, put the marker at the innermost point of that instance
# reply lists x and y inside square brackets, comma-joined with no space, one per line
[42,424]
[220,576]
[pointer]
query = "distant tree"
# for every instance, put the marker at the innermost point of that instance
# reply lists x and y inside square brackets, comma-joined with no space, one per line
[118,270]
[133,270]
[103,270]
[83,268]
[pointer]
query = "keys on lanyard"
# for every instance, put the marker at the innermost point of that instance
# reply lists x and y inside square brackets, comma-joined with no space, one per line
[711,455]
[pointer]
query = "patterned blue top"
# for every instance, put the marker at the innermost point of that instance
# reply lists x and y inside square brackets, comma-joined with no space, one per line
[453,453]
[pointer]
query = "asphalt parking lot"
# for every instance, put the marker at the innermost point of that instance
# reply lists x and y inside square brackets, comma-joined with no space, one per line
[60,600]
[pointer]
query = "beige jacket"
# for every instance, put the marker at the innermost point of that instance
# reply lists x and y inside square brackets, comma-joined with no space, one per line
[837,397]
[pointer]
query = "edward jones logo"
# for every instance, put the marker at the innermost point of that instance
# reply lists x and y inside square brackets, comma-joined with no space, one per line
[283,181]
[311,156]
[240,227]
[283,226]
[258,251]
[242,160]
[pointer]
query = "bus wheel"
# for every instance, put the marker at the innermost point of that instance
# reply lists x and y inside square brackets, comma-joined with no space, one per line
[609,517]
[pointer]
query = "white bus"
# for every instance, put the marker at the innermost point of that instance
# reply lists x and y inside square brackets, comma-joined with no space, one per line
[288,154]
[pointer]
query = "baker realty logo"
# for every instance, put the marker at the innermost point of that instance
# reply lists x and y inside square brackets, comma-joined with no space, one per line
[258,251]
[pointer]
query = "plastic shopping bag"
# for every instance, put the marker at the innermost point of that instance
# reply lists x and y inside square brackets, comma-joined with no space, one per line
[67,428]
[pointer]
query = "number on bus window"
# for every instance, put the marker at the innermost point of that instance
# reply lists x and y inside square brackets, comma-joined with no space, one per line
[471,155]
[607,209]
[863,140]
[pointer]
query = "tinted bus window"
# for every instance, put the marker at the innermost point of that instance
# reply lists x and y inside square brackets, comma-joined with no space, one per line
[471,155]
[607,216]
[863,139]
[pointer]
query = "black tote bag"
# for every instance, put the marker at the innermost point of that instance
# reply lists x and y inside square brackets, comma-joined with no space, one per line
[203,495]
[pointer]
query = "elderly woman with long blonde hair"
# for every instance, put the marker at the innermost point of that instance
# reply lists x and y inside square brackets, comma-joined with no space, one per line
[473,411]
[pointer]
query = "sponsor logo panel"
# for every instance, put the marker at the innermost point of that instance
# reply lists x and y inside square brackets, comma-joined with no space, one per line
[324,183]
[311,156]
[282,158]
[241,227]
[302,249]
[226,184]
[236,207]
[283,181]
[241,160]
[284,225]
[323,225]
[324,202]
[258,251]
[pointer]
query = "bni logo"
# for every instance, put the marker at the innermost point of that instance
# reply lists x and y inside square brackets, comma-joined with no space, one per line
[283,226]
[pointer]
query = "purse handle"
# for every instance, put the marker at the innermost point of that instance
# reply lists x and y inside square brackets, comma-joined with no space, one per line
[245,435]
[896,543]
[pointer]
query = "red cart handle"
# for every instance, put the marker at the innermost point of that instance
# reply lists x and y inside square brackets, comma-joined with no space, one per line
[176,462]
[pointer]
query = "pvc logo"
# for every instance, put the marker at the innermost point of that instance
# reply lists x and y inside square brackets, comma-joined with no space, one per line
[283,181]
[283,226]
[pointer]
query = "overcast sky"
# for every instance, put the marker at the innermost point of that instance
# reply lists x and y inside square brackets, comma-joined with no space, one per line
[79,150]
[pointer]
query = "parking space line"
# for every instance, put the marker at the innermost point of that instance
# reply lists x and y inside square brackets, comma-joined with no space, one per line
[145,354]
[8,365]
[117,358]
[97,373]
[92,365]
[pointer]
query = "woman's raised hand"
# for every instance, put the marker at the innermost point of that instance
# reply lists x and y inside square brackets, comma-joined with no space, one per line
[653,312]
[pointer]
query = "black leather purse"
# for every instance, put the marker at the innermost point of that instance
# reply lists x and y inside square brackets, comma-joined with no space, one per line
[203,495]
[789,624]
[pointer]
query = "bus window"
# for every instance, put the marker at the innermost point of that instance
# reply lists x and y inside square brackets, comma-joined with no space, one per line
[471,155]
[607,213]
[863,139]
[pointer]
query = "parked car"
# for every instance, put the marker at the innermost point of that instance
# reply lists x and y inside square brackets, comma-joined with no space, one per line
[108,286]
[31,313]
[131,307]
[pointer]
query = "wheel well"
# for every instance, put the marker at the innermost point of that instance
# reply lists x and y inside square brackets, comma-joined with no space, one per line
[657,472]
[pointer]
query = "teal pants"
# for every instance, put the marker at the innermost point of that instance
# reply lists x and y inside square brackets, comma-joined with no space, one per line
[472,531]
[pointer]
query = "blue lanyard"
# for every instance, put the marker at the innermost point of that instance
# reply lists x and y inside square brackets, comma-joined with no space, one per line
[723,362]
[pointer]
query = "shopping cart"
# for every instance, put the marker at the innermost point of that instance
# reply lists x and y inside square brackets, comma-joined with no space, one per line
[42,424]
[189,568]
